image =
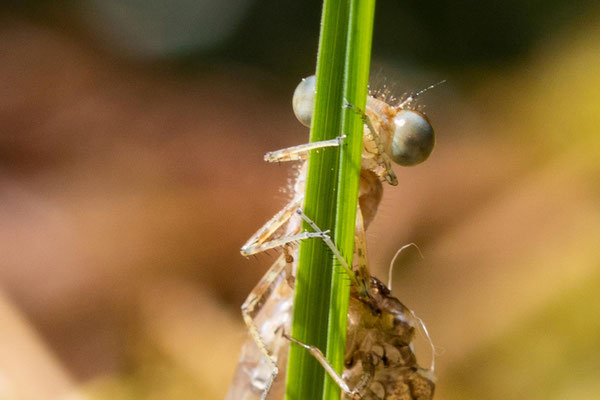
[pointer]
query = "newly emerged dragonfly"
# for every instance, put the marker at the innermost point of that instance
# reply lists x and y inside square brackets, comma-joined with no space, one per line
[380,362]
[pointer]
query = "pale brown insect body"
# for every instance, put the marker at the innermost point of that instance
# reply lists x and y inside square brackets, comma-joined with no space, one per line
[379,346]
[270,307]
[274,314]
[380,363]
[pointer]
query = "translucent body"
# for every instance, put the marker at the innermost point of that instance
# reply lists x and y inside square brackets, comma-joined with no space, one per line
[273,299]
[380,363]
[253,370]
[379,346]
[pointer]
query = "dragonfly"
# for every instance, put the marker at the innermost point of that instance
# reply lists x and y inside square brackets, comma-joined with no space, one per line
[380,361]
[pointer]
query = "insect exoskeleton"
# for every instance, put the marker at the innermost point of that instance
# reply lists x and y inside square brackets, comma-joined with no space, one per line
[379,346]
[380,362]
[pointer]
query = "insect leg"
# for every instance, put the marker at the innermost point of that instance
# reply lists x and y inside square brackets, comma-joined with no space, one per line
[290,239]
[327,239]
[301,152]
[316,353]
[258,241]
[252,307]
[374,146]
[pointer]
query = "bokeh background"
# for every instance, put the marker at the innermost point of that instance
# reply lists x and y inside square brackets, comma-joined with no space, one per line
[131,143]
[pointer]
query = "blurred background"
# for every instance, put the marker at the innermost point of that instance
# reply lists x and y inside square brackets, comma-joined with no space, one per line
[131,142]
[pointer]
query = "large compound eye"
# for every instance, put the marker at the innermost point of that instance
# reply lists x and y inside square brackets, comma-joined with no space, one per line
[413,138]
[304,100]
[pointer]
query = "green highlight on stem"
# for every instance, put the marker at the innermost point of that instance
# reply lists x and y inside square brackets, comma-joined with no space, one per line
[322,288]
[356,76]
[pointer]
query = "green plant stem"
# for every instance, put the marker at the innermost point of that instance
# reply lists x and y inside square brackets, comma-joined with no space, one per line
[322,290]
[357,65]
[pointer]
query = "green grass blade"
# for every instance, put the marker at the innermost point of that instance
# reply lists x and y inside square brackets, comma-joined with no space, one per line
[358,61]
[305,377]
[342,73]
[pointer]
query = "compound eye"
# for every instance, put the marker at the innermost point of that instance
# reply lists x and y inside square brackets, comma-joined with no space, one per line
[304,100]
[413,138]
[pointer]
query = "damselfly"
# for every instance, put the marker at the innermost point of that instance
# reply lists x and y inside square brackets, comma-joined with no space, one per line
[380,362]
